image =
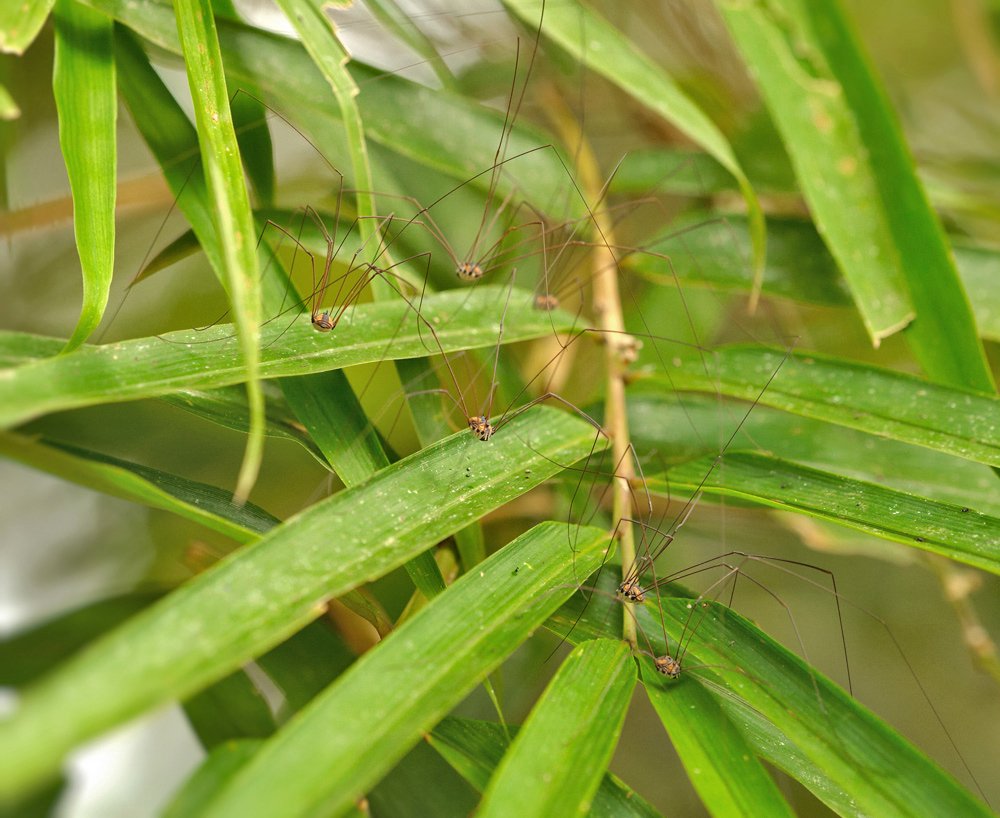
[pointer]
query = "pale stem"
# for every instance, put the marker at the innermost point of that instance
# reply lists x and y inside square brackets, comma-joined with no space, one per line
[619,348]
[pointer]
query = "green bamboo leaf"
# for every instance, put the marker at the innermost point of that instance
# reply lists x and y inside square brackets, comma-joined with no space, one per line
[327,406]
[256,149]
[851,745]
[20,23]
[857,175]
[222,764]
[192,359]
[687,172]
[475,749]
[331,58]
[431,425]
[772,746]
[799,265]
[878,401]
[84,86]
[604,49]
[709,249]
[722,767]
[348,442]
[555,765]
[210,506]
[170,135]
[231,217]
[404,793]
[19,348]
[258,596]
[679,430]
[979,267]
[184,246]
[345,741]
[958,532]
[850,756]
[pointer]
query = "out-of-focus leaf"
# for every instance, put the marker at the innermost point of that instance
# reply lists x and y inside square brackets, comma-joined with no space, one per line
[857,175]
[8,108]
[878,401]
[228,407]
[304,664]
[26,656]
[200,502]
[442,131]
[680,429]
[232,708]
[706,248]
[20,22]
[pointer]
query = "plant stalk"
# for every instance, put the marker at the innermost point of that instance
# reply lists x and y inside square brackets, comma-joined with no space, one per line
[619,348]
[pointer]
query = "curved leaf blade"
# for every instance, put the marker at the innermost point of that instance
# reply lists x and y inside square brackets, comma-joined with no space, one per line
[857,175]
[878,401]
[721,765]
[258,596]
[557,761]
[851,758]
[84,85]
[189,359]
[475,748]
[957,532]
[423,669]
[661,423]
[210,506]
[20,23]
[231,217]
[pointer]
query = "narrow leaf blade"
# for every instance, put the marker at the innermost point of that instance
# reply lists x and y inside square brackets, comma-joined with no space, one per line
[557,761]
[423,670]
[84,85]
[258,596]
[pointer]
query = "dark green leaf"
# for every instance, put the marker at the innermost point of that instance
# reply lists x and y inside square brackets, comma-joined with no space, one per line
[259,596]
[953,531]
[556,763]
[346,740]
[857,175]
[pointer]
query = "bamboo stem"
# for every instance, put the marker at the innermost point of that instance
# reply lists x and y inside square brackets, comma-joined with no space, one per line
[619,348]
